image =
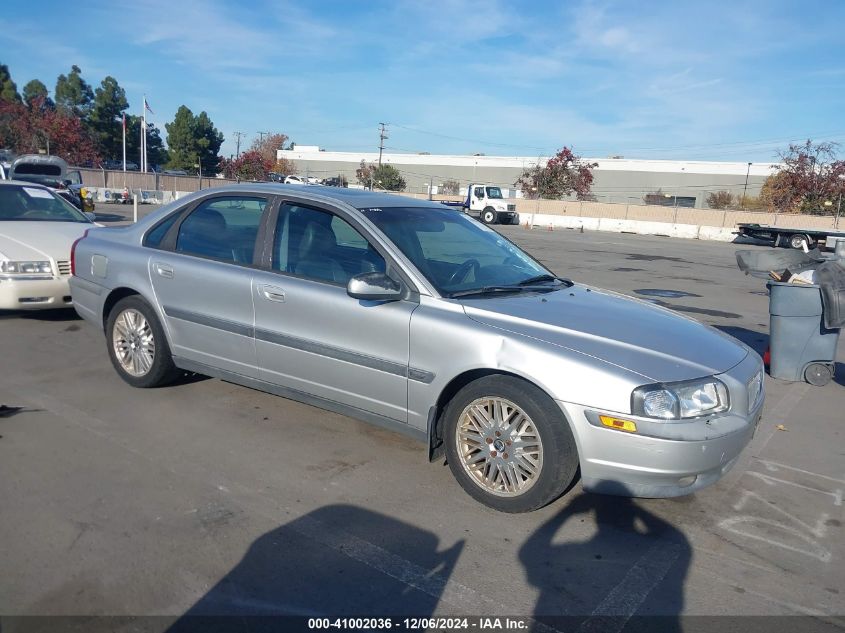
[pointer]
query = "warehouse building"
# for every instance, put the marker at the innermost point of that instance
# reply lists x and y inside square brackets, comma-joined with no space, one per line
[621,180]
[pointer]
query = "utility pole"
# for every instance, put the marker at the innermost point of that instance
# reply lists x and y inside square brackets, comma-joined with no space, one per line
[261,135]
[745,188]
[238,151]
[382,135]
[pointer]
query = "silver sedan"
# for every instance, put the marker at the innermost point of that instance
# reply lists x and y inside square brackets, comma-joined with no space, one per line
[415,317]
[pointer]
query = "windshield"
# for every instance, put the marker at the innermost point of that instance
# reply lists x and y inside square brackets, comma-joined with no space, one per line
[494,192]
[454,252]
[36,204]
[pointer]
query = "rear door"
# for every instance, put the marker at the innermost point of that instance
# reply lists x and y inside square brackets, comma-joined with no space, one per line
[202,278]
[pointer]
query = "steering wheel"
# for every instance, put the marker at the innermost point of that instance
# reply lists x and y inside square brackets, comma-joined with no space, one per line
[463,270]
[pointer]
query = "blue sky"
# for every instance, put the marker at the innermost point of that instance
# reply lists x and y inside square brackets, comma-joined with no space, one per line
[707,80]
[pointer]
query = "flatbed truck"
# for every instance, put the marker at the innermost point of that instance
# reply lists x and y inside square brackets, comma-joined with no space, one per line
[790,238]
[488,204]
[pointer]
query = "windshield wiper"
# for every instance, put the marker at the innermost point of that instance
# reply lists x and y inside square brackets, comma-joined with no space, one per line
[533,280]
[498,289]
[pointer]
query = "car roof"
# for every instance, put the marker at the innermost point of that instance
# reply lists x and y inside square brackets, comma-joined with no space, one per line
[358,198]
[22,183]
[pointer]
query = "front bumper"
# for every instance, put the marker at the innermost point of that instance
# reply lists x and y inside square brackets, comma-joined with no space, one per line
[633,464]
[34,294]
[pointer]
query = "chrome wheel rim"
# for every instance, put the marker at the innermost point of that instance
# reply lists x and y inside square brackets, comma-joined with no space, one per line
[133,342]
[499,446]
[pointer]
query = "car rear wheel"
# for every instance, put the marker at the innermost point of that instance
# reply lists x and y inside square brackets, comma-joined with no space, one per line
[508,444]
[488,216]
[137,346]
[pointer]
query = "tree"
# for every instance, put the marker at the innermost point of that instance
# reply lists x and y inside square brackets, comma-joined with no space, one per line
[283,166]
[450,188]
[35,89]
[193,139]
[268,146]
[105,120]
[364,174]
[384,176]
[250,165]
[30,130]
[563,174]
[809,175]
[720,200]
[73,94]
[156,153]
[8,88]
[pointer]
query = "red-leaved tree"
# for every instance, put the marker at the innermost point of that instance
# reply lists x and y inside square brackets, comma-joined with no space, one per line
[250,165]
[564,173]
[30,130]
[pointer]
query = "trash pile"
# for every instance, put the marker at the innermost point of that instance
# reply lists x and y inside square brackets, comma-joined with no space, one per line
[806,309]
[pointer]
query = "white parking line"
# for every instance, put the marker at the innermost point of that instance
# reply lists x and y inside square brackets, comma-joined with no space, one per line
[625,598]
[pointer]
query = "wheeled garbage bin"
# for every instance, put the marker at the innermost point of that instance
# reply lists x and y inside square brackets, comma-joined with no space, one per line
[801,347]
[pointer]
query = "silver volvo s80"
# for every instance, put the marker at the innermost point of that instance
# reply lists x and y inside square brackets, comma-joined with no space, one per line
[413,316]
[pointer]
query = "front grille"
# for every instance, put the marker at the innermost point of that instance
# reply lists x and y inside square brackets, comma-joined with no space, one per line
[511,207]
[64,268]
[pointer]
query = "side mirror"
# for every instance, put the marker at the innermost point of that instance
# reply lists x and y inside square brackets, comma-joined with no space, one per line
[374,287]
[90,216]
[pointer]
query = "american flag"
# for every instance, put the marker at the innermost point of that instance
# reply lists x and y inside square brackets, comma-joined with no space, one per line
[147,106]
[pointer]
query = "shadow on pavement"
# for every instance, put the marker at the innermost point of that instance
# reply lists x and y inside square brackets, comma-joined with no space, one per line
[633,563]
[58,314]
[335,561]
[758,341]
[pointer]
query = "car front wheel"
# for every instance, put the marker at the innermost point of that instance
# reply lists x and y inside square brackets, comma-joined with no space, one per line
[508,444]
[137,346]
[488,216]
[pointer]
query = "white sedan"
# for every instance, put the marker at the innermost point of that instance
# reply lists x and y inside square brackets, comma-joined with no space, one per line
[37,232]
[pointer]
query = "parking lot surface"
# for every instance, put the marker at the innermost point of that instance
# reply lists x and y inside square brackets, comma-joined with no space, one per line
[207,497]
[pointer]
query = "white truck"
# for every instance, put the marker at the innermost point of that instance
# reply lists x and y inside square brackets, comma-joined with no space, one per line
[488,203]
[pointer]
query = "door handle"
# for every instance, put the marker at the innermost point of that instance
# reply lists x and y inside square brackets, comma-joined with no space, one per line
[273,293]
[163,270]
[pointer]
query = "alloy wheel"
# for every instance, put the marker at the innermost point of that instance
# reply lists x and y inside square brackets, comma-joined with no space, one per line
[499,446]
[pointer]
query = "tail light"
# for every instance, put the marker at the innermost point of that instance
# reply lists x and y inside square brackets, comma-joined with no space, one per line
[73,252]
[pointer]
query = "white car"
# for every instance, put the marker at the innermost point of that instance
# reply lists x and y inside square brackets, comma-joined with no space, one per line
[37,232]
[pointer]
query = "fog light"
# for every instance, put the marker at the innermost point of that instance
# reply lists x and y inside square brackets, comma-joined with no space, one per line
[683,482]
[618,424]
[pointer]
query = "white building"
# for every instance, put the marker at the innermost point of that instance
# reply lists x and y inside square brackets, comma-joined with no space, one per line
[615,179]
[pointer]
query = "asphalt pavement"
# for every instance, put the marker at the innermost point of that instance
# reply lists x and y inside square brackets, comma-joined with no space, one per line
[207,497]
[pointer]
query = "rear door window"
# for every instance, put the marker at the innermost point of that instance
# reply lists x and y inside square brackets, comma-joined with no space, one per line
[223,228]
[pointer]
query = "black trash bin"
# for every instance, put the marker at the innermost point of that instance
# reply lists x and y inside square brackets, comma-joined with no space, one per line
[801,347]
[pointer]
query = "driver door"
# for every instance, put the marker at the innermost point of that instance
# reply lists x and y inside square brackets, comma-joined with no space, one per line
[311,336]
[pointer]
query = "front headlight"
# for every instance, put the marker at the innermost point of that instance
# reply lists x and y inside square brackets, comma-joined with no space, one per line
[25,268]
[680,400]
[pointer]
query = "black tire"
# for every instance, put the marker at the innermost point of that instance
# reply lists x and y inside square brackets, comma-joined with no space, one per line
[559,451]
[796,241]
[489,216]
[818,374]
[162,371]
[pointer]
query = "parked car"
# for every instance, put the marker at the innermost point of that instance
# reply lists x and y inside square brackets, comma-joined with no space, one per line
[50,171]
[411,316]
[37,229]
[174,172]
[294,180]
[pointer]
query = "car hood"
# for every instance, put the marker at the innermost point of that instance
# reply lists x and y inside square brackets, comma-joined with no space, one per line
[32,241]
[657,343]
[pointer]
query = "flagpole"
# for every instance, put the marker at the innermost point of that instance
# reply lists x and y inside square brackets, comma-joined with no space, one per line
[144,135]
[124,143]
